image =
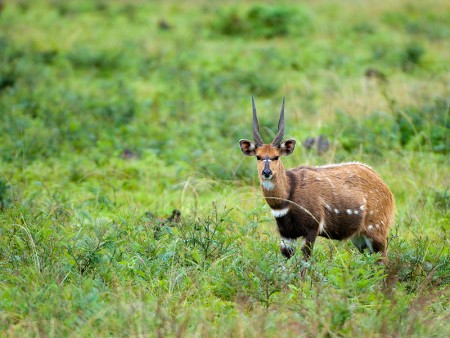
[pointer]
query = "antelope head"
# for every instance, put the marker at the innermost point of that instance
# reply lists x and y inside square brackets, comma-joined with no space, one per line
[268,155]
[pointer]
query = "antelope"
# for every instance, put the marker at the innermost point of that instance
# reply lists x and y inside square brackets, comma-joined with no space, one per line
[335,201]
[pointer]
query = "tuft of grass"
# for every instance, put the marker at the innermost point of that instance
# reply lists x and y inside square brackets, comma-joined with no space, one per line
[405,128]
[268,21]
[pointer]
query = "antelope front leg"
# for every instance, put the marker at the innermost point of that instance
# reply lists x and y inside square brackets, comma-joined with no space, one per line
[306,251]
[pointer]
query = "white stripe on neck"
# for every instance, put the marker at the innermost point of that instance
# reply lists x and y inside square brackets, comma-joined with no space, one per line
[280,212]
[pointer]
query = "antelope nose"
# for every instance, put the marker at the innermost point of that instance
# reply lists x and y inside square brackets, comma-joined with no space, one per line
[267,172]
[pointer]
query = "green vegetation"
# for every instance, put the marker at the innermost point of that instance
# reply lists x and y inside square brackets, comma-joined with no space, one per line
[111,110]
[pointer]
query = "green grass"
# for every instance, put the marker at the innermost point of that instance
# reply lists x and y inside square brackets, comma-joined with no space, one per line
[112,109]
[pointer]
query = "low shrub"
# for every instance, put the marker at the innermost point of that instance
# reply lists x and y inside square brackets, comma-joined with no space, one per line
[262,21]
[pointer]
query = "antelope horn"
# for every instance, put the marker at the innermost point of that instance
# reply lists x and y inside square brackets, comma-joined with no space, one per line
[277,140]
[258,140]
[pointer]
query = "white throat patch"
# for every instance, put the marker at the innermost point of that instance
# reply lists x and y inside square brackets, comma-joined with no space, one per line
[277,213]
[268,185]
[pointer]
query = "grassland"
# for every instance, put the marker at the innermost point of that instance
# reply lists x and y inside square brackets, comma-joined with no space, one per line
[111,110]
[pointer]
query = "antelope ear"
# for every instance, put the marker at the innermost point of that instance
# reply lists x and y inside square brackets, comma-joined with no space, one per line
[248,147]
[287,147]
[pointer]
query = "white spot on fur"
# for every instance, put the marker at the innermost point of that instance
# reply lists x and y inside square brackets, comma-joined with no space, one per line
[370,227]
[327,207]
[356,212]
[349,211]
[336,211]
[268,185]
[279,213]
[362,207]
[377,226]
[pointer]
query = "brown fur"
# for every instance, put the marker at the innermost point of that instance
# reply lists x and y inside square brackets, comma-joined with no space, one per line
[340,201]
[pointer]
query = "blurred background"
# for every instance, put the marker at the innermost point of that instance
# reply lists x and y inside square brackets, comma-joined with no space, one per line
[114,113]
[168,84]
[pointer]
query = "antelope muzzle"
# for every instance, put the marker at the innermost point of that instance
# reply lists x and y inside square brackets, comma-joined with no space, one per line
[267,172]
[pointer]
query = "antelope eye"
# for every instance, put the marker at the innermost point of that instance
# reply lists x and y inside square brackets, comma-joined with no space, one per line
[275,158]
[258,158]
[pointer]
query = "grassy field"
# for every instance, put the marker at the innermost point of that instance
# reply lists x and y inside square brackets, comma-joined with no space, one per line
[114,113]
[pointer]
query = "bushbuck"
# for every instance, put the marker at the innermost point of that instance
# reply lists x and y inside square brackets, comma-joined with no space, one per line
[336,201]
